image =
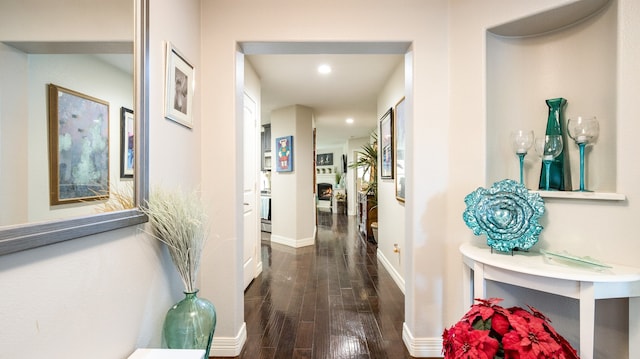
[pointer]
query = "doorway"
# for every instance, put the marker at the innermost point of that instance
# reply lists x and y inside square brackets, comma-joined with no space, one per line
[280,50]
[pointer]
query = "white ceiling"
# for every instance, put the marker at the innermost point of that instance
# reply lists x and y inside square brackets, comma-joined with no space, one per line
[350,90]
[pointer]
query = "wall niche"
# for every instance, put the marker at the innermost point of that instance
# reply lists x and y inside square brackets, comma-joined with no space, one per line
[568,52]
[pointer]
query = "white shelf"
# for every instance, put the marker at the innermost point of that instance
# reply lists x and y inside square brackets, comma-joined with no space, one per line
[601,196]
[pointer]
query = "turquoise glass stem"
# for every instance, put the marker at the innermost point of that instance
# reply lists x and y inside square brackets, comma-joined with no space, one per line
[547,167]
[521,156]
[581,148]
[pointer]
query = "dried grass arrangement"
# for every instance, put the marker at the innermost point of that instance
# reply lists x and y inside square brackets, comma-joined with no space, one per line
[121,198]
[178,219]
[118,197]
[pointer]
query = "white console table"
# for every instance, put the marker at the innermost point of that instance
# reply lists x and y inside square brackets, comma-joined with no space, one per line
[529,270]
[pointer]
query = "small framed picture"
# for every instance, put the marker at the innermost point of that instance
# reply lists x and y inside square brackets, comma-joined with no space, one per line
[324,159]
[127,148]
[284,154]
[179,87]
[386,145]
[78,147]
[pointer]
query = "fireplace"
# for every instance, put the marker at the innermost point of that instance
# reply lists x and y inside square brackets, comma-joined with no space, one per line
[325,191]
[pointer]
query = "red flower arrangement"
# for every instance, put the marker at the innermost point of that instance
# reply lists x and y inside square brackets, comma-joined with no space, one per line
[489,331]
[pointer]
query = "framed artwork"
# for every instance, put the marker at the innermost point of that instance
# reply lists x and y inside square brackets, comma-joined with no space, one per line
[325,159]
[179,87]
[284,154]
[78,146]
[386,145]
[127,128]
[400,149]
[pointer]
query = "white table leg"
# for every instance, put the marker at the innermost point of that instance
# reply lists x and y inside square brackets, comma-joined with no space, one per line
[479,284]
[467,290]
[587,319]
[634,327]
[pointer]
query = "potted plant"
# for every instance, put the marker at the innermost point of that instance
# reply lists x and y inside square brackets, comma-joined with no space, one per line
[179,220]
[368,160]
[493,332]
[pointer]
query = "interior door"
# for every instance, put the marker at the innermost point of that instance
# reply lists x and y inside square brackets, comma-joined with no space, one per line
[250,193]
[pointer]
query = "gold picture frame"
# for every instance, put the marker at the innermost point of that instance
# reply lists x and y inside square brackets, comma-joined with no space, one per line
[78,146]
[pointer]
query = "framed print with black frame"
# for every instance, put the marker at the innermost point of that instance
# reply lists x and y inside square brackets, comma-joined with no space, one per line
[179,87]
[127,140]
[78,147]
[399,122]
[324,159]
[386,145]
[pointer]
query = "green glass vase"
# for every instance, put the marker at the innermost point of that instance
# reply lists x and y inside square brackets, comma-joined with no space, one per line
[559,175]
[190,324]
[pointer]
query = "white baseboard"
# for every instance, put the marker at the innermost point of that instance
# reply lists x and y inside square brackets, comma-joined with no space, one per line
[227,346]
[397,278]
[291,242]
[421,347]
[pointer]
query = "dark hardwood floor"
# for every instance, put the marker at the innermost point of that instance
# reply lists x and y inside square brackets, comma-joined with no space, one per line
[330,300]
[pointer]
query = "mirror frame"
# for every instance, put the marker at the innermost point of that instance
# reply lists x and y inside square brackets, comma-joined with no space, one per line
[21,237]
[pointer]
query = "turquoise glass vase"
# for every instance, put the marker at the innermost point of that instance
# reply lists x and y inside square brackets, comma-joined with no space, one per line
[559,175]
[190,324]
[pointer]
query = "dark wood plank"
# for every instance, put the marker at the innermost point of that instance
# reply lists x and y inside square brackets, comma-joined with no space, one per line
[329,300]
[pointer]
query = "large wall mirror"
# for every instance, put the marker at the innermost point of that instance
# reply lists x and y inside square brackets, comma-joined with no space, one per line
[98,49]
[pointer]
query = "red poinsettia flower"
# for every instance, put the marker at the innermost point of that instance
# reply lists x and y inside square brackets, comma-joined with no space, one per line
[464,342]
[484,309]
[493,332]
[529,339]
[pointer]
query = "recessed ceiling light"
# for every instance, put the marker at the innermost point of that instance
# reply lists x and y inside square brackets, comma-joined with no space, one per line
[324,69]
[349,120]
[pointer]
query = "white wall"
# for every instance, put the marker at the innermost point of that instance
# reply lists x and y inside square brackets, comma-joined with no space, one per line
[107,294]
[292,200]
[39,20]
[391,212]
[13,164]
[90,76]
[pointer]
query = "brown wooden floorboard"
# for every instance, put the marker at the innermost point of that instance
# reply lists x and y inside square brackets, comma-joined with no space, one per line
[330,300]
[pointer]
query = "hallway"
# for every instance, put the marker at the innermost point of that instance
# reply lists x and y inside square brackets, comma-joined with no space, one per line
[330,300]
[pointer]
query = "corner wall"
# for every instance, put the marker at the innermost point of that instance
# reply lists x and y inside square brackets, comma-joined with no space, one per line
[292,199]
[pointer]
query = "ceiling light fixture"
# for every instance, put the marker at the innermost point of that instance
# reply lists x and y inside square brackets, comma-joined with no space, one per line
[324,69]
[349,120]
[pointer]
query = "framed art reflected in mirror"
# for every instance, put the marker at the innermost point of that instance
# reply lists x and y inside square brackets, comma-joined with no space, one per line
[78,146]
[127,140]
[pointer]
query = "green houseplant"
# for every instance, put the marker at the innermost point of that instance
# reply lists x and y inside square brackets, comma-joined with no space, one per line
[179,220]
[367,158]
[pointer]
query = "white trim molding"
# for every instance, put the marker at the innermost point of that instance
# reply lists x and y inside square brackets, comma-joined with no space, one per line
[392,271]
[421,347]
[227,346]
[291,242]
